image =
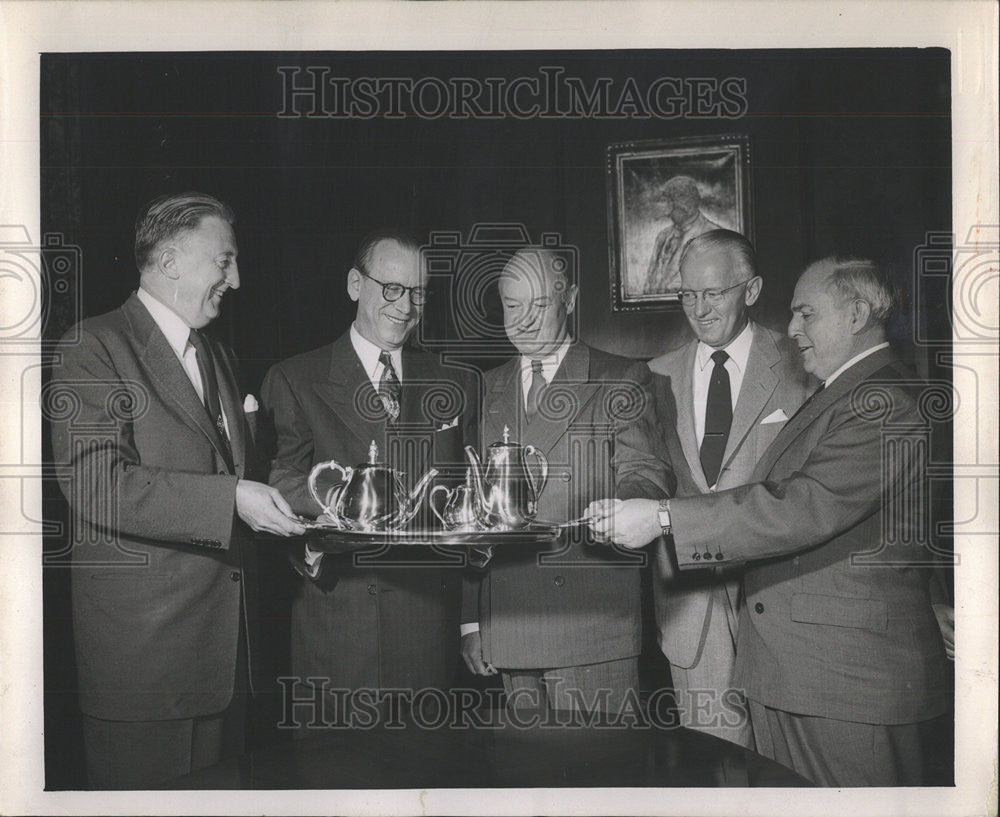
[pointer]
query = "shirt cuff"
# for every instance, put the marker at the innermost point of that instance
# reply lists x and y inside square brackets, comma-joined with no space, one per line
[471,627]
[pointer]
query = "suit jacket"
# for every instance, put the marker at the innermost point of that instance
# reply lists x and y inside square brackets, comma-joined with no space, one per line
[836,623]
[376,625]
[579,602]
[160,559]
[774,380]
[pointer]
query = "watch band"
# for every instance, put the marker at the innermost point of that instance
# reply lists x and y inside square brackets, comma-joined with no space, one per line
[663,512]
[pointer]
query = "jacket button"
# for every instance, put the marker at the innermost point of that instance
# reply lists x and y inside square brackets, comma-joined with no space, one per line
[235,575]
[559,581]
[719,557]
[696,557]
[371,590]
[223,473]
[708,555]
[758,607]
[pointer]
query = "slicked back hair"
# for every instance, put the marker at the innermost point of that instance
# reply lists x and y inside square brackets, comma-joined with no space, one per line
[168,216]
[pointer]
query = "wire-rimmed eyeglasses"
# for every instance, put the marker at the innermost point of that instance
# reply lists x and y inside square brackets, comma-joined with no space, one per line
[393,292]
[714,297]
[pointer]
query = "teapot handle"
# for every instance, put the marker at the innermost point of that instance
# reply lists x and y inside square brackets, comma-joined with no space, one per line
[537,487]
[327,506]
[430,501]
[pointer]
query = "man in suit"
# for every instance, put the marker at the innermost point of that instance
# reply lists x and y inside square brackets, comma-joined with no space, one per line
[723,397]
[389,621]
[163,509]
[839,650]
[563,625]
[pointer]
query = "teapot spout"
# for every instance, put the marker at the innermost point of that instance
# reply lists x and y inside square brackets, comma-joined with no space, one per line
[418,494]
[474,475]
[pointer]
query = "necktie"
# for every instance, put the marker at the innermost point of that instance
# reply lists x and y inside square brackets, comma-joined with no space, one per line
[718,419]
[389,388]
[535,390]
[210,389]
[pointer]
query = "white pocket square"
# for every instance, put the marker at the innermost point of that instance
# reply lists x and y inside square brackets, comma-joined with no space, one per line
[250,404]
[452,424]
[777,416]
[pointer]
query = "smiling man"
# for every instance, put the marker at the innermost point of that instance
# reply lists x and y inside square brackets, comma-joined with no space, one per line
[839,649]
[563,626]
[360,626]
[164,564]
[722,397]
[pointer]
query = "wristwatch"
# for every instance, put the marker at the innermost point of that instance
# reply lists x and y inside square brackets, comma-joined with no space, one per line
[664,513]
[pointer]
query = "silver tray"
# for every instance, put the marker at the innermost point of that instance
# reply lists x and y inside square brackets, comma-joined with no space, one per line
[327,538]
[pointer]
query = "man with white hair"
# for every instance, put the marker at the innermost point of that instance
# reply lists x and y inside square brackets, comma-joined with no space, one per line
[839,651]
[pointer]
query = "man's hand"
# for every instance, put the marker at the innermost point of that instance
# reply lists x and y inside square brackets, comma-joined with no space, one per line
[265,510]
[945,614]
[472,654]
[632,523]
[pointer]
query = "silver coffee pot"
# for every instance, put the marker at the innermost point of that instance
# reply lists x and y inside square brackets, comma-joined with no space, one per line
[506,492]
[371,496]
[459,512]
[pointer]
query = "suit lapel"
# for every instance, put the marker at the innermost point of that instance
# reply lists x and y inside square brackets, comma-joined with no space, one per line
[841,387]
[229,397]
[573,375]
[684,396]
[759,383]
[165,369]
[504,405]
[350,395]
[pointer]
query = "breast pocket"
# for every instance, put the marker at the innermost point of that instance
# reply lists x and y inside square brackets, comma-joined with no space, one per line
[766,432]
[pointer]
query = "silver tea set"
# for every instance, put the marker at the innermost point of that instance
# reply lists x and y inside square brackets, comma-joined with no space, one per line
[500,494]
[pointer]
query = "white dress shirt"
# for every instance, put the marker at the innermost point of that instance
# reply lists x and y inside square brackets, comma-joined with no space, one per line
[550,365]
[368,354]
[738,350]
[178,336]
[852,361]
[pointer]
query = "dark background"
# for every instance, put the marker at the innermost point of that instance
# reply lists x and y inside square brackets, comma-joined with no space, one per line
[850,153]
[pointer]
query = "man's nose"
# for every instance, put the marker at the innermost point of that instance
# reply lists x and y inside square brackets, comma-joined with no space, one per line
[233,276]
[701,306]
[793,327]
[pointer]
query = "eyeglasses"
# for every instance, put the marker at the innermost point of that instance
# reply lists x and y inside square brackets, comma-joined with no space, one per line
[689,297]
[393,292]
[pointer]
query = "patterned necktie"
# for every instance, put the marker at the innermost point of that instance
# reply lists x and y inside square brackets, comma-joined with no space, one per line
[718,419]
[535,390]
[389,388]
[210,389]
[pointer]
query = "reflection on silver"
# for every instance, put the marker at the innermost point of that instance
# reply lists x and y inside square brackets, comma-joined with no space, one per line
[506,492]
[371,497]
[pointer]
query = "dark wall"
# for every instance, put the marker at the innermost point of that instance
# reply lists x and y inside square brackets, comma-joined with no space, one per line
[850,153]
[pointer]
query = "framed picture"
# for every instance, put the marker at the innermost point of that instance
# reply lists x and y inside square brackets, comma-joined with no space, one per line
[661,194]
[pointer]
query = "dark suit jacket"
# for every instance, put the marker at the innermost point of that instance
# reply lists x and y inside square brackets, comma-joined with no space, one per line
[579,602]
[826,629]
[379,625]
[773,382]
[160,558]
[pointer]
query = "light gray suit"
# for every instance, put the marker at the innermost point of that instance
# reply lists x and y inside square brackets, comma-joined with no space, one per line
[696,615]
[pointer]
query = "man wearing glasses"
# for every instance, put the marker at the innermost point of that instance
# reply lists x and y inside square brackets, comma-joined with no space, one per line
[363,622]
[723,398]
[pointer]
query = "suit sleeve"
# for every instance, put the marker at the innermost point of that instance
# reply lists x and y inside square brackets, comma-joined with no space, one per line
[842,482]
[640,460]
[111,487]
[293,458]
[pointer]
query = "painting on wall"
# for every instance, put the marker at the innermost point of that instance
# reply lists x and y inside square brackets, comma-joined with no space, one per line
[661,194]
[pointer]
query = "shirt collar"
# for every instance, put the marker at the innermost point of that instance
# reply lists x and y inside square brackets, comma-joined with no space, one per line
[854,360]
[550,362]
[369,354]
[738,349]
[170,323]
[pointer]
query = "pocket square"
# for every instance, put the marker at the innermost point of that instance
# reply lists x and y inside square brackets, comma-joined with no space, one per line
[446,426]
[777,416]
[250,404]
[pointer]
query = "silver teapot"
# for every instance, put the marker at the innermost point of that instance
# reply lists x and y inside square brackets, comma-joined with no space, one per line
[371,496]
[506,492]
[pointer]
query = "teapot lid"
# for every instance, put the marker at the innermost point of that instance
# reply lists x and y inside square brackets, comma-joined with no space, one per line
[507,441]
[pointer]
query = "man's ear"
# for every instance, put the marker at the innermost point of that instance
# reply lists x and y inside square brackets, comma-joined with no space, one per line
[755,285]
[569,298]
[860,313]
[354,283]
[166,263]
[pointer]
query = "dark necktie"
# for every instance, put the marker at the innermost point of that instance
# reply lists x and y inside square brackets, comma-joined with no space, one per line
[808,400]
[718,419]
[389,388]
[535,390]
[210,389]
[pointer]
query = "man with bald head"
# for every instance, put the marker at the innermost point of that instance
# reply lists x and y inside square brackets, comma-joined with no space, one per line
[562,625]
[839,649]
[722,397]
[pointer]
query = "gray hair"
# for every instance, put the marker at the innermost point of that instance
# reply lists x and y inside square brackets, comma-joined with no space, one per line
[736,244]
[168,216]
[859,279]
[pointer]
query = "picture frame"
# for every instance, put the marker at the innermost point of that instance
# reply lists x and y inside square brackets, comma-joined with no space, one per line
[703,181]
